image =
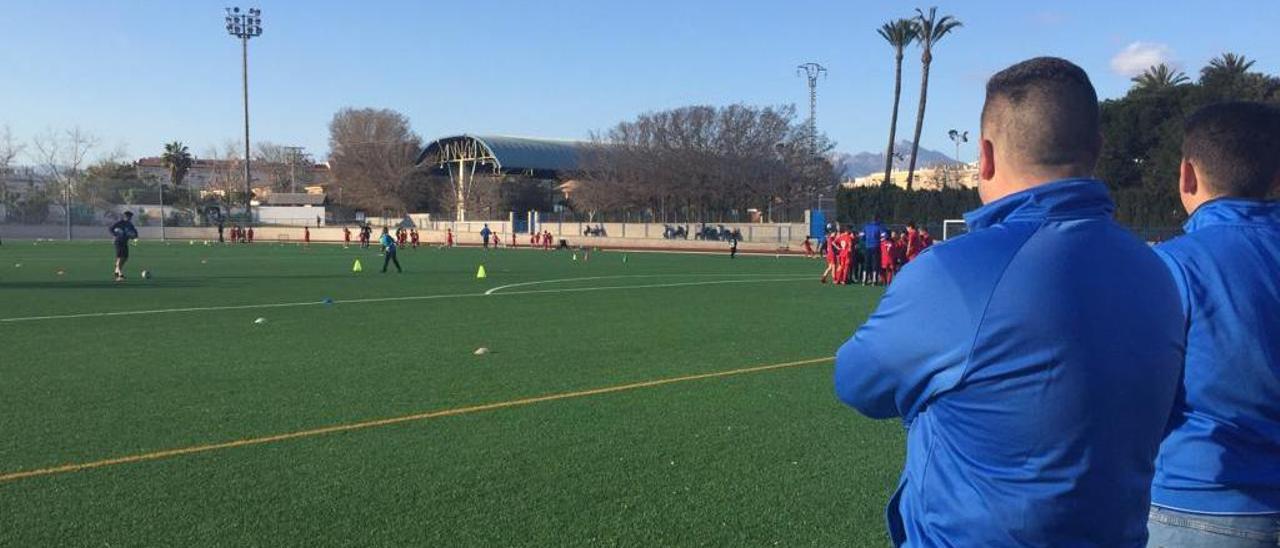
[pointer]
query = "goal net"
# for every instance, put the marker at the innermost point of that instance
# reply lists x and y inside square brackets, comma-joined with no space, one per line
[953,227]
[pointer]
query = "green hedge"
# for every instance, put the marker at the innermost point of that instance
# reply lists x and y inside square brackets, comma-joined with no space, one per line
[894,205]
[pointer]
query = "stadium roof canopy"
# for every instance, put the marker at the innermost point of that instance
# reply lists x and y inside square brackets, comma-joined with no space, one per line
[537,157]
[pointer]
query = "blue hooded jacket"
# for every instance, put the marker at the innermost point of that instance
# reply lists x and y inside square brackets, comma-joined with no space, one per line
[1222,454]
[1034,361]
[871,235]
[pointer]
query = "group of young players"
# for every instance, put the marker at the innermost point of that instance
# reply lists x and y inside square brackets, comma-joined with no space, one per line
[409,237]
[869,257]
[240,234]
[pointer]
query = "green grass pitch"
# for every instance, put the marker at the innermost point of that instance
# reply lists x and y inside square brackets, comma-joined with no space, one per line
[760,458]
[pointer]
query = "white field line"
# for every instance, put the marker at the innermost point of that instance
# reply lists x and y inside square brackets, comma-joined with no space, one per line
[387,299]
[613,277]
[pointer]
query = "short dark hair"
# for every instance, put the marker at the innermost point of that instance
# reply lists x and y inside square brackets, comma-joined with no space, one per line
[1236,146]
[128,214]
[1048,110]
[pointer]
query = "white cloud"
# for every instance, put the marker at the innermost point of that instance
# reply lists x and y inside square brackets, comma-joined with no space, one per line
[1139,56]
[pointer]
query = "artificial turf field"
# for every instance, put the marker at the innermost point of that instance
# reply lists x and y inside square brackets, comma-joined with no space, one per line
[758,457]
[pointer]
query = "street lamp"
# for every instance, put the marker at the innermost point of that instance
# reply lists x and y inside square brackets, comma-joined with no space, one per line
[245,25]
[958,137]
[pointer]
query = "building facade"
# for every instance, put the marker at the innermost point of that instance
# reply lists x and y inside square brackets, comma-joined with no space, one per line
[928,178]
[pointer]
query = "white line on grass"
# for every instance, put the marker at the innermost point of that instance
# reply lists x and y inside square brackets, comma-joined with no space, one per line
[614,277]
[388,299]
[374,423]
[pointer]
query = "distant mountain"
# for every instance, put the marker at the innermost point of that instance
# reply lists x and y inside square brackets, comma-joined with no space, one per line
[867,163]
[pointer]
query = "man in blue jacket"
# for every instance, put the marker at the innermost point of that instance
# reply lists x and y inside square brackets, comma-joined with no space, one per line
[1036,403]
[871,255]
[1218,474]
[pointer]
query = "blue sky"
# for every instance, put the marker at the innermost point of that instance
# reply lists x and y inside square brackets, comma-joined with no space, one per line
[141,73]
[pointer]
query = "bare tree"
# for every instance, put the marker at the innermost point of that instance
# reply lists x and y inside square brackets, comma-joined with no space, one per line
[703,163]
[9,151]
[227,171]
[283,166]
[62,156]
[372,151]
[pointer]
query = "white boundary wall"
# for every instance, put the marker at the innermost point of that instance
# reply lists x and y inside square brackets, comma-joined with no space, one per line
[332,234]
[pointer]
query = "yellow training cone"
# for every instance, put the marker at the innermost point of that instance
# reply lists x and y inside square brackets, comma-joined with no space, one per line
[357,267]
[480,275]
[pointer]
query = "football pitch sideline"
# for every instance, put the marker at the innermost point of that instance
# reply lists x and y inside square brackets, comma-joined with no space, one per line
[267,395]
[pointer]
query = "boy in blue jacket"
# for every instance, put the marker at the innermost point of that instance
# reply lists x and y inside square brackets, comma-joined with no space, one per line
[1217,478]
[388,251]
[1035,406]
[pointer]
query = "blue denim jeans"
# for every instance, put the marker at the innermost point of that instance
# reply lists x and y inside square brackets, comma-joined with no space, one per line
[1173,529]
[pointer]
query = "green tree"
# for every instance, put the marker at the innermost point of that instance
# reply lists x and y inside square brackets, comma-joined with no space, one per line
[929,30]
[178,160]
[1230,64]
[1159,78]
[105,182]
[1142,136]
[1228,76]
[899,33]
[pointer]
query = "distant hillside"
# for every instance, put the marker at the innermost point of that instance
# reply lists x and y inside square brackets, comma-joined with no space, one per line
[867,163]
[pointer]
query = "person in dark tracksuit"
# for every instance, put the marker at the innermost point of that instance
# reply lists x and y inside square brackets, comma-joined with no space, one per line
[121,232]
[389,251]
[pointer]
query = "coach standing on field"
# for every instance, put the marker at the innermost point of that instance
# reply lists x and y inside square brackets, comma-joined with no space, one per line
[1036,403]
[1217,478]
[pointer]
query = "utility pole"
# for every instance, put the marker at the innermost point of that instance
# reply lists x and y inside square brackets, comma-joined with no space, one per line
[812,71]
[161,186]
[295,154]
[244,26]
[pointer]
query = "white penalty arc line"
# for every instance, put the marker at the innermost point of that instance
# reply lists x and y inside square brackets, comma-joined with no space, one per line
[387,299]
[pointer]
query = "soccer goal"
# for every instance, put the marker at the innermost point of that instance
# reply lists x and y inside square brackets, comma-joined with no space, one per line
[953,227]
[282,238]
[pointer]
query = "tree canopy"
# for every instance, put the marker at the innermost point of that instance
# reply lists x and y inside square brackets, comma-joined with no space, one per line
[372,154]
[1142,133]
[1142,148]
[706,163]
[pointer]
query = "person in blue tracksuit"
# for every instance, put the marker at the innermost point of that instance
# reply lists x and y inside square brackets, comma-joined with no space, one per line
[871,256]
[389,251]
[1217,479]
[1034,393]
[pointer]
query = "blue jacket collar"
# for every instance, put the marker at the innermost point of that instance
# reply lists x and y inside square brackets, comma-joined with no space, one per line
[1234,211]
[1067,198]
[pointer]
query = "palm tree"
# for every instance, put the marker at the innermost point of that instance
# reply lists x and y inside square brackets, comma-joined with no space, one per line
[1229,63]
[929,30]
[1158,78]
[178,160]
[899,33]
[1226,73]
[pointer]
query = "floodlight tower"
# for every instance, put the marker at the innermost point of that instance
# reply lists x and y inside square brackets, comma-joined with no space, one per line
[812,71]
[245,25]
[958,137]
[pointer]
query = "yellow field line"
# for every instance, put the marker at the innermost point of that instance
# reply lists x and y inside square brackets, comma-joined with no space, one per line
[169,453]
